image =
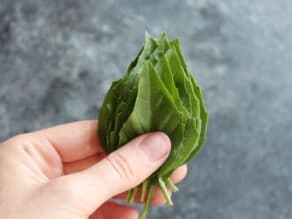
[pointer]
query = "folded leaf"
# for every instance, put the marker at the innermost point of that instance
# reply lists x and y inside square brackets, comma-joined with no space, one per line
[157,93]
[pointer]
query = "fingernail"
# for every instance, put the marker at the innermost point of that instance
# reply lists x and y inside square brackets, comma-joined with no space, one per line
[155,146]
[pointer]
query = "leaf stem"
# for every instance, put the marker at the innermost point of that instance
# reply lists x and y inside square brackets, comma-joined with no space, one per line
[144,190]
[164,191]
[171,185]
[148,203]
[131,195]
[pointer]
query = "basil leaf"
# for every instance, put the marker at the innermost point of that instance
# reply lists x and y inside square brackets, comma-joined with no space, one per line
[157,93]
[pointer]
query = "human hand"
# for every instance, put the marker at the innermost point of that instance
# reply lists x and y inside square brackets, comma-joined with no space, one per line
[63,173]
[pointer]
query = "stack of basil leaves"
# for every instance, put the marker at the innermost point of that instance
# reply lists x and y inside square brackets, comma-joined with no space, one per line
[157,93]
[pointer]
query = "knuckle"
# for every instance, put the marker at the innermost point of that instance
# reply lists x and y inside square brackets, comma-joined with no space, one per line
[20,137]
[121,167]
[18,140]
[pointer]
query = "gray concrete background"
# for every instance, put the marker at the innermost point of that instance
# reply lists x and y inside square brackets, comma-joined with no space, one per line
[58,58]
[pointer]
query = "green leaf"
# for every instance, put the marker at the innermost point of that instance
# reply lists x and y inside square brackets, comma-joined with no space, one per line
[157,93]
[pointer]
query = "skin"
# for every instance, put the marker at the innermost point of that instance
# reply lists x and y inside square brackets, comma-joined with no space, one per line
[62,172]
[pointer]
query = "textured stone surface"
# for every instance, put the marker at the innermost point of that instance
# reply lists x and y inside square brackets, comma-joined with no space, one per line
[58,58]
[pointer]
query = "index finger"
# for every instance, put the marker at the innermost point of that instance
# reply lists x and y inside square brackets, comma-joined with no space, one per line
[73,141]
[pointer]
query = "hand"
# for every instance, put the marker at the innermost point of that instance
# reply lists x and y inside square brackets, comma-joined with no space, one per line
[63,173]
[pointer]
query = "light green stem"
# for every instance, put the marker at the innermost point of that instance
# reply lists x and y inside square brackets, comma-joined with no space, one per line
[144,190]
[171,185]
[131,195]
[148,203]
[164,191]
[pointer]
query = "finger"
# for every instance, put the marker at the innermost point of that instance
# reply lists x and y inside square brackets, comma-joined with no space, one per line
[79,165]
[73,141]
[115,211]
[158,199]
[179,174]
[118,172]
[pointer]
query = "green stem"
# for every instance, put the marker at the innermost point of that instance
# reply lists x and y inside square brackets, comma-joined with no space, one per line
[171,185]
[134,195]
[144,190]
[131,195]
[164,191]
[148,203]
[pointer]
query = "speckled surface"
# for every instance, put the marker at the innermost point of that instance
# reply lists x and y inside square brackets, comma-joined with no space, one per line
[58,58]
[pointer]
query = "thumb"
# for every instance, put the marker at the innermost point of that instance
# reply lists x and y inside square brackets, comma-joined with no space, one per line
[120,171]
